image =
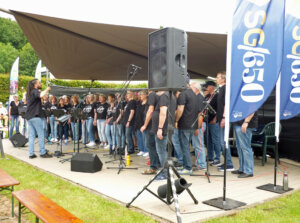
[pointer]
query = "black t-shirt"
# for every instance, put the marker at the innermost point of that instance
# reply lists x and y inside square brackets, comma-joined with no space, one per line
[45,106]
[64,107]
[72,109]
[152,100]
[110,113]
[162,100]
[213,104]
[22,108]
[123,105]
[191,109]
[116,111]
[89,109]
[101,110]
[34,105]
[52,107]
[221,103]
[131,105]
[14,108]
[139,115]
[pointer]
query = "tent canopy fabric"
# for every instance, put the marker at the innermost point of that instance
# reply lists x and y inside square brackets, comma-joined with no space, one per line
[94,51]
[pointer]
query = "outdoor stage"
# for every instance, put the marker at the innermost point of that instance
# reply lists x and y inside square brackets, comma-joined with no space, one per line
[128,183]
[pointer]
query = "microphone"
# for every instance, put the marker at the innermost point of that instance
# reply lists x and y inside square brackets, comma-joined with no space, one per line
[135,66]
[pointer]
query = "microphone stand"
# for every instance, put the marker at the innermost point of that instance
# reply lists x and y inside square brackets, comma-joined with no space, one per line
[125,85]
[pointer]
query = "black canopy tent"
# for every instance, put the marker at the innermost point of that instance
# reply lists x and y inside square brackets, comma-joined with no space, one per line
[94,51]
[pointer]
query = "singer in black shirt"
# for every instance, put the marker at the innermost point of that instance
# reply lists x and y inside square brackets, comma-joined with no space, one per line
[33,116]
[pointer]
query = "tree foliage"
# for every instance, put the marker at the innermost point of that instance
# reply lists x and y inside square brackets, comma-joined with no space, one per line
[8,54]
[28,60]
[10,32]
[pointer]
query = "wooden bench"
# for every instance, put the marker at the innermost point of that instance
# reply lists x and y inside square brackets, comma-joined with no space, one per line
[43,208]
[7,182]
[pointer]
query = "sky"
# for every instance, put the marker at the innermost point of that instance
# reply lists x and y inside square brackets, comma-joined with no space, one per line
[211,16]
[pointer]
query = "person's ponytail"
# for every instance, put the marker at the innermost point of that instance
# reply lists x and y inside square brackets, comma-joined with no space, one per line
[30,87]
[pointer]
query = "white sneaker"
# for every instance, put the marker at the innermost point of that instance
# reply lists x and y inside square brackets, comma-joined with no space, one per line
[55,140]
[106,147]
[141,153]
[52,140]
[91,144]
[146,154]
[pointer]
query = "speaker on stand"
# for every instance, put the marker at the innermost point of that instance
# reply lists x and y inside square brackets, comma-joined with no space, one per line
[167,59]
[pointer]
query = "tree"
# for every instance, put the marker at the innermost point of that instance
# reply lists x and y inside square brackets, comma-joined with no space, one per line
[28,60]
[8,54]
[10,32]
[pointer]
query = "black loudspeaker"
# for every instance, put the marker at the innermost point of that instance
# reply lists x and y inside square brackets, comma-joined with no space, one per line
[167,59]
[86,162]
[18,140]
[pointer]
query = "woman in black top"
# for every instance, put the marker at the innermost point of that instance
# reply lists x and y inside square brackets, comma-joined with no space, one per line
[101,112]
[74,123]
[45,106]
[51,119]
[109,123]
[89,109]
[139,122]
[62,130]
[13,115]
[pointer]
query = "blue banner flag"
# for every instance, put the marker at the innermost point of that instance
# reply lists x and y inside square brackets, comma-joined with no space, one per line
[290,72]
[257,43]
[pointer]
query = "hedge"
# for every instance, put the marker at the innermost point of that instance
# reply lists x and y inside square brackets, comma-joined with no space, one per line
[23,80]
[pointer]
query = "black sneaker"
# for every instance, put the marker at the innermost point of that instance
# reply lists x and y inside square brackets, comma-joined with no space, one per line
[32,156]
[237,172]
[46,155]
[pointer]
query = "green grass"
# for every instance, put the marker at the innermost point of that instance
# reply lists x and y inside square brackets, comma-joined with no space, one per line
[83,204]
[282,210]
[93,208]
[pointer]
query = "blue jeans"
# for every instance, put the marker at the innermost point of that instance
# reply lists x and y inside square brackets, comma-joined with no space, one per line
[222,143]
[151,145]
[245,152]
[53,126]
[161,149]
[89,126]
[101,130]
[214,147]
[185,138]
[12,125]
[36,127]
[198,144]
[63,130]
[45,127]
[75,130]
[129,139]
[110,135]
[177,148]
[141,141]
[84,135]
[120,135]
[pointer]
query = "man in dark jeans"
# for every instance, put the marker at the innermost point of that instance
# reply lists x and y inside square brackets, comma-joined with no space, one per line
[213,148]
[221,81]
[243,132]
[160,127]
[128,120]
[149,136]
[185,121]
